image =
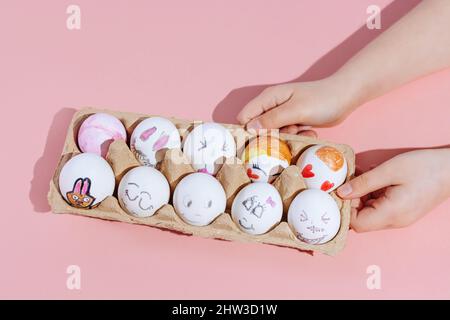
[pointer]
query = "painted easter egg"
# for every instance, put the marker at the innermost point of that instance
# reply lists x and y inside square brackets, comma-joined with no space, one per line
[314,216]
[257,208]
[142,191]
[98,131]
[151,138]
[199,198]
[206,145]
[86,180]
[323,167]
[265,157]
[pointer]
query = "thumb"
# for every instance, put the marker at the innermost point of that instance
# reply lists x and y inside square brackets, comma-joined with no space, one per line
[366,183]
[275,118]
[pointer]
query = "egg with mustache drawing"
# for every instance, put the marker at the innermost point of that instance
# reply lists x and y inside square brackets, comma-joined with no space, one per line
[142,191]
[323,167]
[265,157]
[314,216]
[151,138]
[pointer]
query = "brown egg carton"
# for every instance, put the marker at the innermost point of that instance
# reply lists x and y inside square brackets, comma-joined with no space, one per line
[232,176]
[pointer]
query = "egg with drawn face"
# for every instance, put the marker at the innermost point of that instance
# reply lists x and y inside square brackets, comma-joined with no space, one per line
[199,198]
[257,208]
[314,216]
[265,157]
[86,180]
[206,145]
[151,138]
[142,191]
[323,167]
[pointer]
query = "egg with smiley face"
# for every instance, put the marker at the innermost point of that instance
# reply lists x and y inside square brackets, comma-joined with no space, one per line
[151,138]
[257,208]
[323,167]
[199,198]
[314,216]
[265,157]
[142,191]
[206,145]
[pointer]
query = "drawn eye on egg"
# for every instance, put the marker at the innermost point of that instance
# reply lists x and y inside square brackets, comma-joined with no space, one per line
[258,210]
[303,216]
[325,218]
[209,204]
[187,201]
[248,203]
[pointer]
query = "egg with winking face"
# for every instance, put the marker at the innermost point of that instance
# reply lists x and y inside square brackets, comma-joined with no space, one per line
[206,145]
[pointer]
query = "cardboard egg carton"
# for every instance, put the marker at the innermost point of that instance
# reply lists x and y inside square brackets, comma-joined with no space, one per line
[232,176]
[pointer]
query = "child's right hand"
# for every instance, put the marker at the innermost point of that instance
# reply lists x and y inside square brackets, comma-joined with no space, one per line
[293,106]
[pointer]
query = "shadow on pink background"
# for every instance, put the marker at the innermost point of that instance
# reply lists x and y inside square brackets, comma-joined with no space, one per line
[185,59]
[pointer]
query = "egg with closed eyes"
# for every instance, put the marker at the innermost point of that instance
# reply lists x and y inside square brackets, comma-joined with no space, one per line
[323,167]
[151,138]
[206,145]
[142,191]
[257,208]
[265,157]
[314,216]
[199,198]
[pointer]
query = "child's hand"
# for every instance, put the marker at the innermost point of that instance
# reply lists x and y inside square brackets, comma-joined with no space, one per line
[400,191]
[293,106]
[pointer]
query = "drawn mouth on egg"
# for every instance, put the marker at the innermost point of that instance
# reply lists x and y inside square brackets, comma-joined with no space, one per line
[246,227]
[301,237]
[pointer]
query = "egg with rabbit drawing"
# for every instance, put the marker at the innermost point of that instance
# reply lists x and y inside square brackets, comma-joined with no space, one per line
[151,138]
[142,191]
[323,167]
[86,180]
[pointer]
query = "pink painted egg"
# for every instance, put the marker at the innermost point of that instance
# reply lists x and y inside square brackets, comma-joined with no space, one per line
[98,131]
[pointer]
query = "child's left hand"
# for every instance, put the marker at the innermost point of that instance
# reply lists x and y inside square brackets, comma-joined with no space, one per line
[400,191]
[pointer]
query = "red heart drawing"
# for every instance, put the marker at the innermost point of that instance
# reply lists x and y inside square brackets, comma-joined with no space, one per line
[327,185]
[252,175]
[307,173]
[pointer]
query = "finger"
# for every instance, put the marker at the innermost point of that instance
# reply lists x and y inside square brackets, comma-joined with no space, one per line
[281,116]
[308,133]
[266,100]
[376,215]
[380,177]
[291,129]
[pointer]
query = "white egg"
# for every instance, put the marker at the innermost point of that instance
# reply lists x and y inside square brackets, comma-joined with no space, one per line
[151,137]
[323,167]
[206,144]
[86,180]
[264,168]
[257,208]
[199,198]
[314,216]
[142,191]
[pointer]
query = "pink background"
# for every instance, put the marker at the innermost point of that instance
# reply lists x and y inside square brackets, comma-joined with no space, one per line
[196,59]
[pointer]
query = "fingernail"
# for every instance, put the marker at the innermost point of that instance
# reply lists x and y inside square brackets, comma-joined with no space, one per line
[254,124]
[345,190]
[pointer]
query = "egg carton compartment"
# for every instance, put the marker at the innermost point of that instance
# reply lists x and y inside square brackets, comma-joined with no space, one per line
[232,175]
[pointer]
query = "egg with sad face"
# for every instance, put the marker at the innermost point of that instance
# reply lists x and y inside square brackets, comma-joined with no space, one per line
[314,216]
[257,208]
[142,191]
[199,198]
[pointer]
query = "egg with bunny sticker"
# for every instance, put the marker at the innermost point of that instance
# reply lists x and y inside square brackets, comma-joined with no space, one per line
[199,198]
[314,216]
[86,180]
[151,138]
[142,191]
[257,208]
[323,167]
